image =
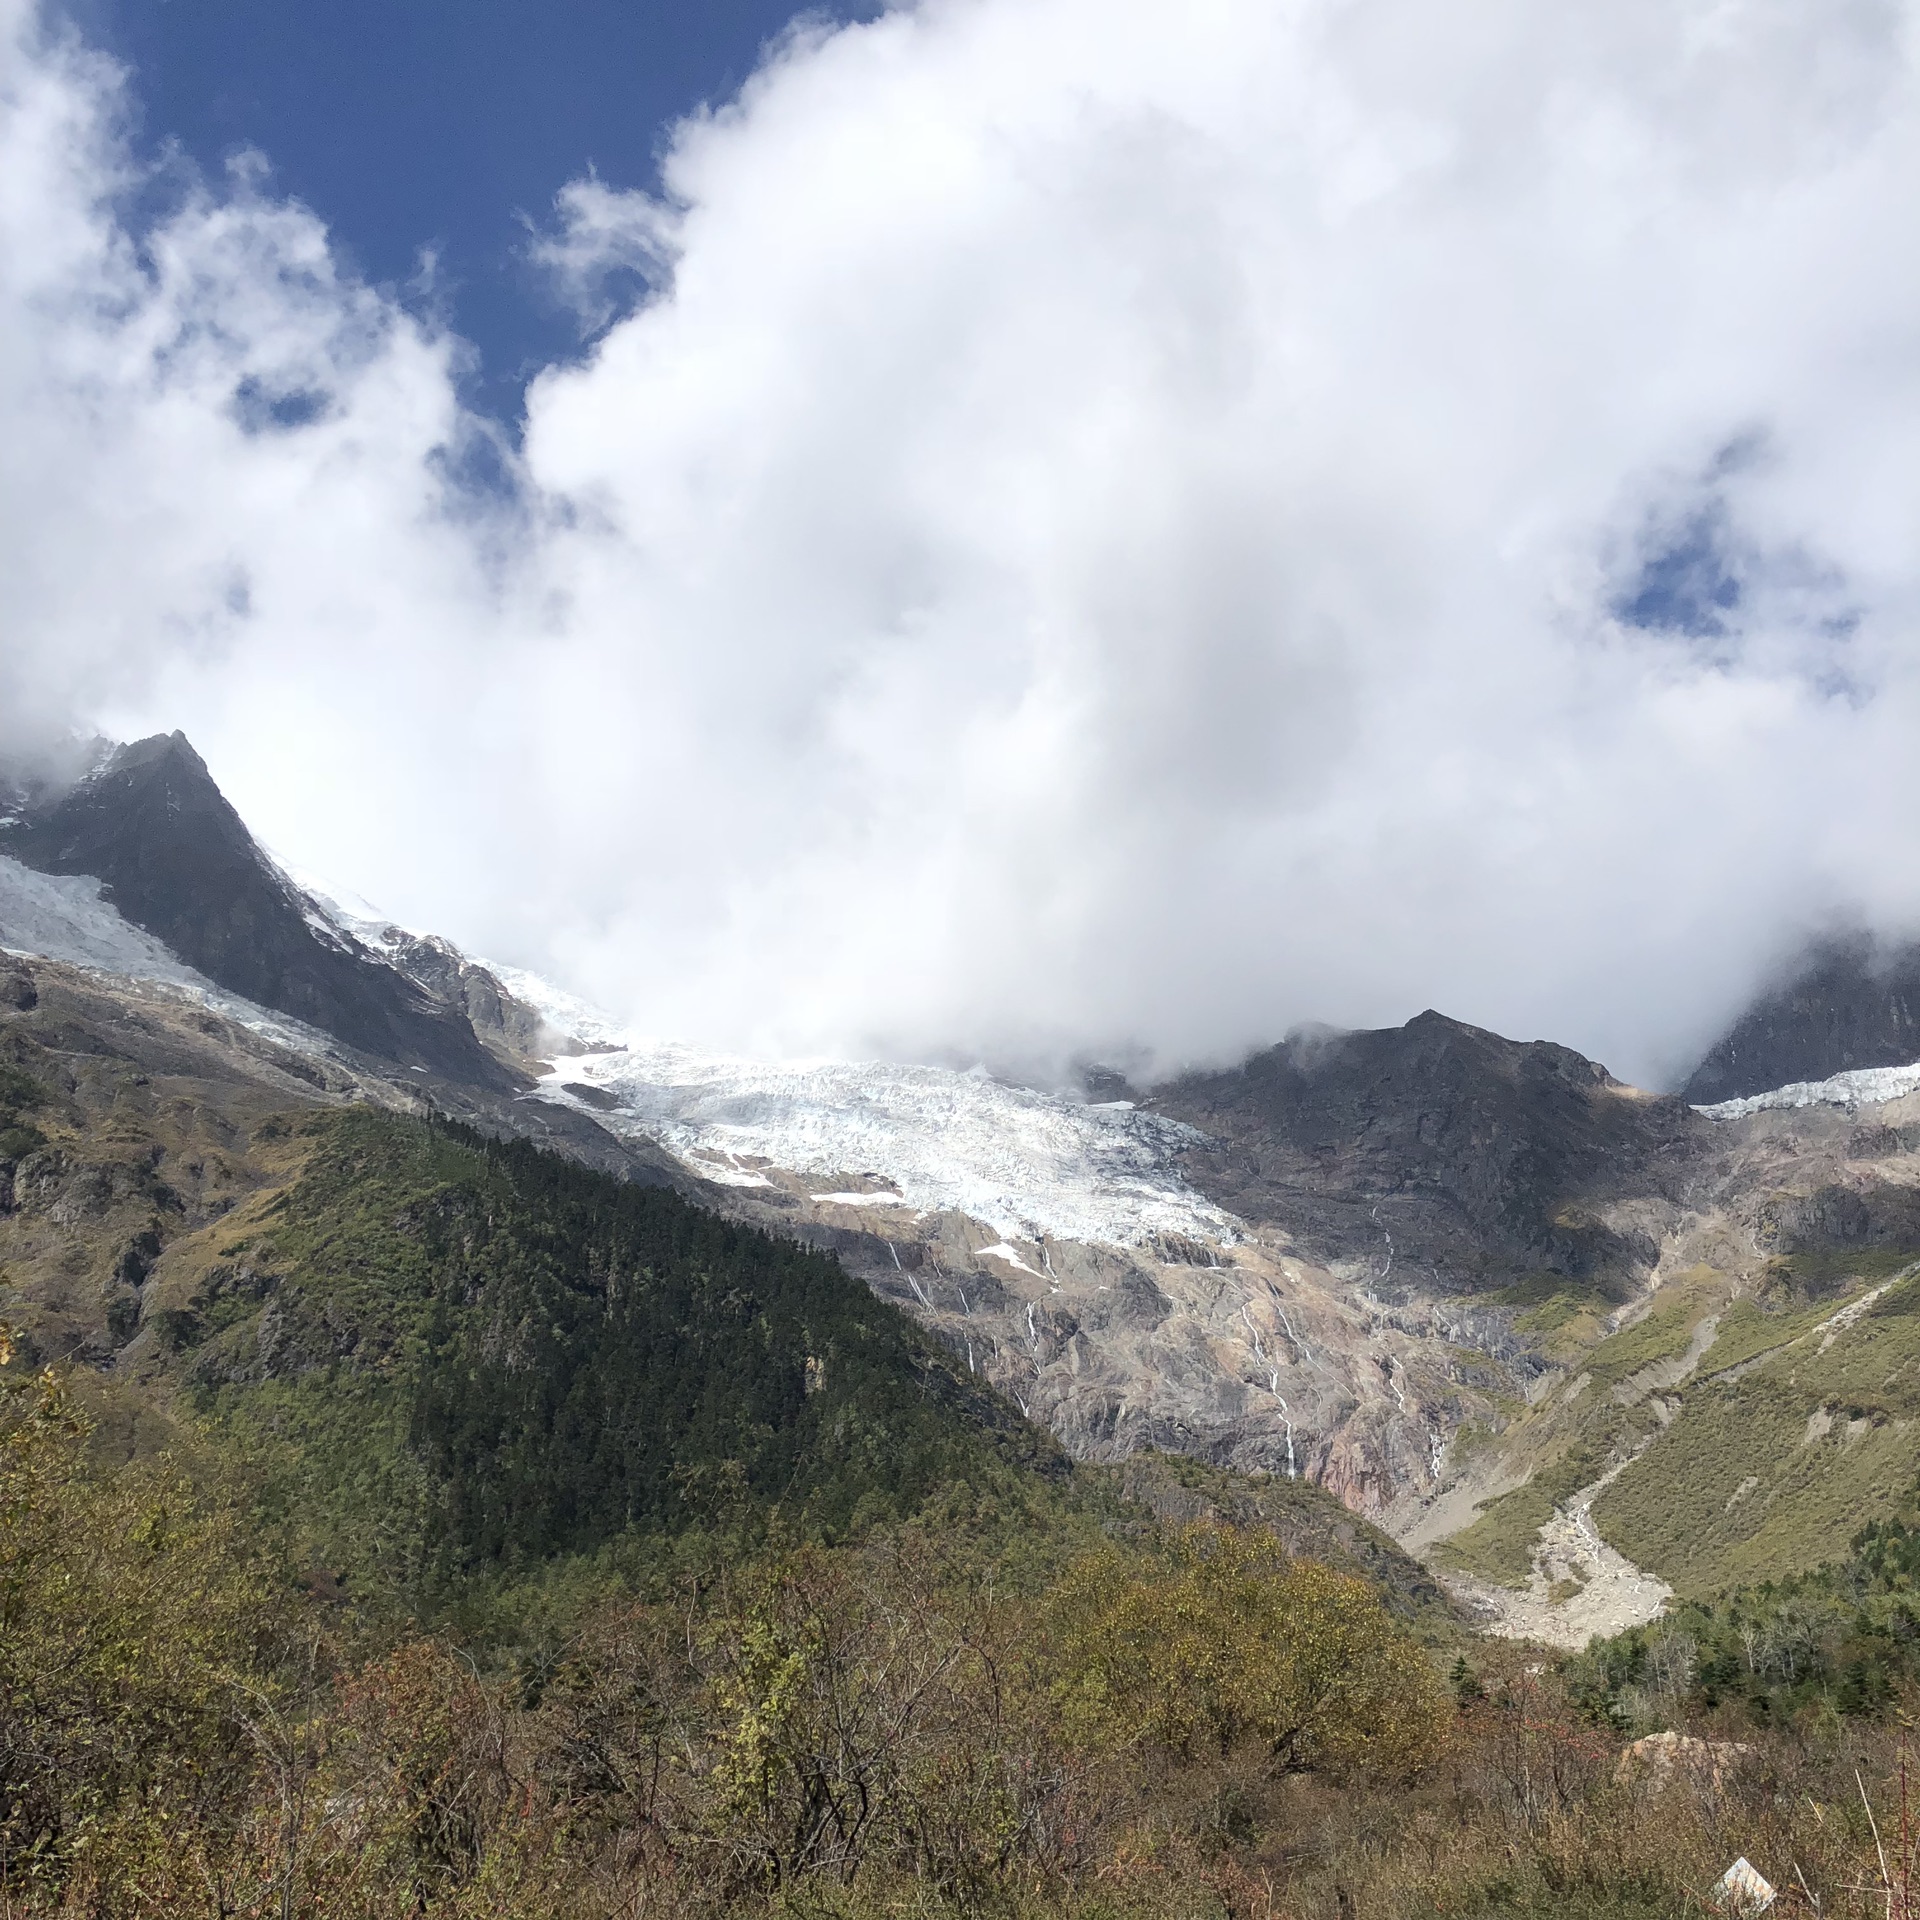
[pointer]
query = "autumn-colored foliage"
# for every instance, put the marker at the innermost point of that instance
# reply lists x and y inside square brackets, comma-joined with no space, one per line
[137,1621]
[1220,1641]
[1177,1724]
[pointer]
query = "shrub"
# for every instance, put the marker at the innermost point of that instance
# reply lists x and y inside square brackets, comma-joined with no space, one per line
[136,1626]
[1226,1642]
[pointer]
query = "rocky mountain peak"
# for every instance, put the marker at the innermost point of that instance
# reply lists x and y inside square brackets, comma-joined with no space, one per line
[1475,1154]
[175,859]
[1851,1003]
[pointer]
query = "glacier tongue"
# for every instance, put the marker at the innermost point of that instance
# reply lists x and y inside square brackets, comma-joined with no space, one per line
[64,918]
[1027,1164]
[1863,1086]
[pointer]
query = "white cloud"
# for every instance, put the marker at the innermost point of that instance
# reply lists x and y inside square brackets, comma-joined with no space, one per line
[1113,527]
[603,241]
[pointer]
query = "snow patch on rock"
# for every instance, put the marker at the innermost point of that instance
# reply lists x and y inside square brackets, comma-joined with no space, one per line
[1011,1255]
[63,917]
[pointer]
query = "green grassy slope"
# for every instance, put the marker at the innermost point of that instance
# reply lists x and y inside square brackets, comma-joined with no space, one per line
[123,1130]
[1778,1458]
[1568,1441]
[1791,1430]
[1500,1543]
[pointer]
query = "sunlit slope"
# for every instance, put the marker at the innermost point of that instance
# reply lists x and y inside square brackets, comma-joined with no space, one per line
[1726,1437]
[443,1357]
[1800,1427]
[1612,1400]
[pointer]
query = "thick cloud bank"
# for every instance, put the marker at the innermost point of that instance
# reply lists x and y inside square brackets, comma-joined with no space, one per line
[1114,525]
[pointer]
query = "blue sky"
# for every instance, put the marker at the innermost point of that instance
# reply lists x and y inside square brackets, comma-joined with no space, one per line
[438,124]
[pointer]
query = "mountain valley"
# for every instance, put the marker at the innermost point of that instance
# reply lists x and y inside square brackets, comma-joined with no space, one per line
[617,1477]
[1526,1318]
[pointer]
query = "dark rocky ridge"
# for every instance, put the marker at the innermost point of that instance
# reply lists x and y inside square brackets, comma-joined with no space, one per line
[1465,1158]
[175,859]
[1850,1005]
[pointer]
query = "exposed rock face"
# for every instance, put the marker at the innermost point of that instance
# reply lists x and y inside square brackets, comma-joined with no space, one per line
[1240,1355]
[513,1031]
[1663,1759]
[1848,1006]
[1857,1215]
[177,861]
[1342,1304]
[1440,1156]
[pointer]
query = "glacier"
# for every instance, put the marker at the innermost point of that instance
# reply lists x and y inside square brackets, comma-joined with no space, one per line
[1861,1087]
[57,917]
[1028,1165]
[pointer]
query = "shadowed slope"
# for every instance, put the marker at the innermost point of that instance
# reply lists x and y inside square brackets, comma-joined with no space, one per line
[176,860]
[1473,1157]
[1848,1007]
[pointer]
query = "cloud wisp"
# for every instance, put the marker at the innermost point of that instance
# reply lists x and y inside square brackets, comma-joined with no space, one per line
[1101,531]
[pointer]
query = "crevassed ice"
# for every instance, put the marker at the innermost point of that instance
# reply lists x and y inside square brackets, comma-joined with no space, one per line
[1862,1086]
[1027,1164]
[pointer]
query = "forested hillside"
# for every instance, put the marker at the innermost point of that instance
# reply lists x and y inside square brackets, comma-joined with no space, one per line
[414,1521]
[532,1360]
